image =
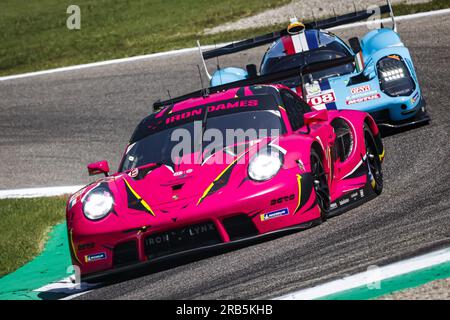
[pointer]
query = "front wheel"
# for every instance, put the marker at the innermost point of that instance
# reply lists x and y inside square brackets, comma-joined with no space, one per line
[373,162]
[320,184]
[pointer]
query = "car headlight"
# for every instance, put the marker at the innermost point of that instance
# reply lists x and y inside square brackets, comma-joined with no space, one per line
[265,165]
[395,79]
[98,203]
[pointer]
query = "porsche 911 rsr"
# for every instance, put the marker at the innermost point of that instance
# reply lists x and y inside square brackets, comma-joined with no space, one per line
[305,166]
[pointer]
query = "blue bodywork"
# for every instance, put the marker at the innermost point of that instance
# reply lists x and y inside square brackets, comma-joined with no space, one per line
[391,111]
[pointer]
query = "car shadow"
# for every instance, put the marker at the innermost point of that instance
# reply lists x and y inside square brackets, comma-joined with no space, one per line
[387,132]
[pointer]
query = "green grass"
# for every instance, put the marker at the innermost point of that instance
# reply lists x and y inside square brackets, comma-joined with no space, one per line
[402,9]
[34,35]
[24,225]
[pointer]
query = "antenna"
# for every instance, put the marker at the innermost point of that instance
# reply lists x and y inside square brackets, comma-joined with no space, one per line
[354,6]
[391,13]
[334,12]
[170,97]
[218,65]
[205,91]
[203,60]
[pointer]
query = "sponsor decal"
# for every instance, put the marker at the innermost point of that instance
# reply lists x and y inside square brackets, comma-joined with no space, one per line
[274,214]
[182,172]
[85,246]
[323,98]
[415,98]
[312,89]
[348,199]
[282,199]
[180,235]
[360,89]
[95,257]
[213,108]
[363,99]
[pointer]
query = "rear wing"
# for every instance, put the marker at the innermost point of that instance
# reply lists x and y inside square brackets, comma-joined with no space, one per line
[322,24]
[262,79]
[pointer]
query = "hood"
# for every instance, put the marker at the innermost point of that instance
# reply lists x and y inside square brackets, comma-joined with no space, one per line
[160,184]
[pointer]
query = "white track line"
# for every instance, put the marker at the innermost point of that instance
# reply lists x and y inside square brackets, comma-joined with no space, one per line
[38,192]
[371,276]
[107,62]
[189,50]
[399,18]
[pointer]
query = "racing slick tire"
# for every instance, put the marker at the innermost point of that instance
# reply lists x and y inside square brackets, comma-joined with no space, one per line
[373,161]
[320,182]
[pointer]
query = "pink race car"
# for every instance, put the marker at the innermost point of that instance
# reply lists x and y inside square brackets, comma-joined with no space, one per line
[178,190]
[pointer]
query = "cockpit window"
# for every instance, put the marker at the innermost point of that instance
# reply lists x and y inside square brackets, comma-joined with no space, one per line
[276,60]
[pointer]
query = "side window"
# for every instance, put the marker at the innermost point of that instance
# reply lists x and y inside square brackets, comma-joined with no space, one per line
[295,109]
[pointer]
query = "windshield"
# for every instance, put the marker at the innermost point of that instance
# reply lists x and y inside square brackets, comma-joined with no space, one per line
[158,147]
[274,61]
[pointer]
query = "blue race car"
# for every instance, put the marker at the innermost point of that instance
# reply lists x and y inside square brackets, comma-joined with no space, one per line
[377,74]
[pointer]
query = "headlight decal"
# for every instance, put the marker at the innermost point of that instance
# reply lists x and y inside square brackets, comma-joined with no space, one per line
[135,201]
[221,180]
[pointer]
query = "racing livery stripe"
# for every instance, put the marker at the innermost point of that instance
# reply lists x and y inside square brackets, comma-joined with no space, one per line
[299,182]
[382,155]
[139,198]
[311,38]
[305,187]
[206,192]
[325,85]
[72,245]
[288,45]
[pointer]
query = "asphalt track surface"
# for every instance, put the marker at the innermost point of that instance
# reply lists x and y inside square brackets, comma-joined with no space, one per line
[52,125]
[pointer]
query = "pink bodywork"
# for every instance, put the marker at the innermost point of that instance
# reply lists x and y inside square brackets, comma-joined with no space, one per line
[173,208]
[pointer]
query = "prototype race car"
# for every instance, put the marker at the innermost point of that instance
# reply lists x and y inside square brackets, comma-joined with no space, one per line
[302,167]
[380,79]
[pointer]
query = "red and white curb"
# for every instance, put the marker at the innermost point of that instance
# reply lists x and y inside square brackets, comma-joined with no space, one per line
[370,277]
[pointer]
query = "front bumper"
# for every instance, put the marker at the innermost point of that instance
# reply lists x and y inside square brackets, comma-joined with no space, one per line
[215,223]
[183,256]
[414,117]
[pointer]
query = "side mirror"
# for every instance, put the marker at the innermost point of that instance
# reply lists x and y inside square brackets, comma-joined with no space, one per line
[252,71]
[98,168]
[355,45]
[315,116]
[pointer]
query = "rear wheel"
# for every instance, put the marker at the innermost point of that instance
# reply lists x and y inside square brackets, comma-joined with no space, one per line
[373,161]
[320,184]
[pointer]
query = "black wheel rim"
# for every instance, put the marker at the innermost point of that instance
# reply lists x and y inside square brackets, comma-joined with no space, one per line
[320,184]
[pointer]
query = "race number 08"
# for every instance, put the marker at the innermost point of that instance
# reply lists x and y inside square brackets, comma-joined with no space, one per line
[323,99]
